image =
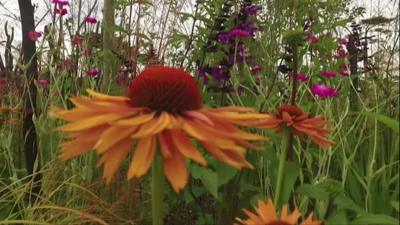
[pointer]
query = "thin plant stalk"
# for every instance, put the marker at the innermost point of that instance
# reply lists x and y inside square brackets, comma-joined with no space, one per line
[157,192]
[281,168]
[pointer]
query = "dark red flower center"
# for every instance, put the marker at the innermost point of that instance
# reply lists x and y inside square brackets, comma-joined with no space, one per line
[165,89]
[278,223]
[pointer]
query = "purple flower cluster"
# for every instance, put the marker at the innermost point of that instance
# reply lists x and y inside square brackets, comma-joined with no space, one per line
[59,7]
[323,91]
[237,52]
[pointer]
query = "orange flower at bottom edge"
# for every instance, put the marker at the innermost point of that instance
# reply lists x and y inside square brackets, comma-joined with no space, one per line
[291,116]
[164,109]
[266,215]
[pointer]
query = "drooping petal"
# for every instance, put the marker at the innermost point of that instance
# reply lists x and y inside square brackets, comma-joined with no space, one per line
[143,157]
[184,145]
[175,170]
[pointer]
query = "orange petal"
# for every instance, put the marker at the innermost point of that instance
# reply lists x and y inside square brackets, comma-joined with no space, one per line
[111,136]
[153,126]
[137,120]
[267,211]
[143,157]
[101,96]
[90,122]
[185,146]
[232,158]
[175,170]
[112,159]
[165,144]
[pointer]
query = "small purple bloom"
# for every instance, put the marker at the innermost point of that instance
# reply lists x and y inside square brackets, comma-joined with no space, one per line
[249,27]
[256,69]
[93,72]
[88,52]
[323,91]
[252,9]
[341,53]
[328,74]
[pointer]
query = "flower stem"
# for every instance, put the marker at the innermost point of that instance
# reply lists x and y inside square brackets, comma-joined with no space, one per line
[281,168]
[157,192]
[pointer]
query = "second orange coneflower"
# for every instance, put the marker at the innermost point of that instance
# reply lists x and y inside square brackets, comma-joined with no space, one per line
[266,215]
[164,109]
[300,124]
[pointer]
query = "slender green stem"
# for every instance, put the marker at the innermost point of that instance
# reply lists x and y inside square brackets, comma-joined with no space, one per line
[157,192]
[281,168]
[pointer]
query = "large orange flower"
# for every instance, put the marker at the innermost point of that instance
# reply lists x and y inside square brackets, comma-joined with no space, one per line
[164,109]
[292,117]
[266,215]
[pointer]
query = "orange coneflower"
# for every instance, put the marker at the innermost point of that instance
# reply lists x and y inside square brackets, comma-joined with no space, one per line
[266,215]
[292,117]
[164,104]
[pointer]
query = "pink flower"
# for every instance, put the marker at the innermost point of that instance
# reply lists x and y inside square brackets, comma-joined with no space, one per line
[256,69]
[60,2]
[344,71]
[341,53]
[93,72]
[43,82]
[77,40]
[300,76]
[62,12]
[91,20]
[67,64]
[34,35]
[323,91]
[239,33]
[88,52]
[312,39]
[343,41]
[328,74]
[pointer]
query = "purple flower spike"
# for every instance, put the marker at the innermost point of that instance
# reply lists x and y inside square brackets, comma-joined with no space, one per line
[252,9]
[223,37]
[328,74]
[203,76]
[323,91]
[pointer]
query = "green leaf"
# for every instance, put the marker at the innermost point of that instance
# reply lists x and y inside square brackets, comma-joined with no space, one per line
[339,217]
[344,202]
[292,170]
[225,173]
[313,191]
[390,122]
[375,219]
[208,177]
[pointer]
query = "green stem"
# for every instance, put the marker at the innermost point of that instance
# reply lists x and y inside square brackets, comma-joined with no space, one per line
[281,168]
[157,192]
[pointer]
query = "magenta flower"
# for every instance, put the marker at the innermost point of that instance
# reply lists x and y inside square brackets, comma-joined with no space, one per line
[67,64]
[93,72]
[34,35]
[256,69]
[62,12]
[252,9]
[328,74]
[88,52]
[60,2]
[239,33]
[344,71]
[343,41]
[91,20]
[312,39]
[77,40]
[300,76]
[43,82]
[323,91]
